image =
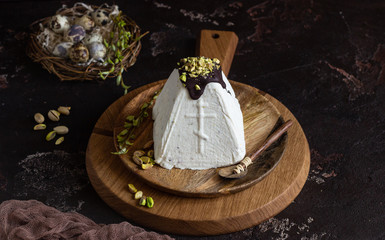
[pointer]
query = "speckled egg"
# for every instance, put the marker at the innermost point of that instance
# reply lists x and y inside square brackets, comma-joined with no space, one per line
[78,53]
[59,24]
[62,49]
[86,22]
[97,50]
[76,33]
[95,37]
[100,17]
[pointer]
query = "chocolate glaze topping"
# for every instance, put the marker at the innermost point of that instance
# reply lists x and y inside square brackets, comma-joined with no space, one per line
[196,83]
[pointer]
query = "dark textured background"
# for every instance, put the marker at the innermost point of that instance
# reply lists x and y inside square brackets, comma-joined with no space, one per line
[325,60]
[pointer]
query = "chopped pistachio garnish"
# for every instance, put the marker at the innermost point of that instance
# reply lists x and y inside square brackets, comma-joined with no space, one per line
[197,87]
[197,66]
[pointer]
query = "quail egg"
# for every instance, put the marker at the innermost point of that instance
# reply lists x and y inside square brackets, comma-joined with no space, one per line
[76,33]
[86,22]
[61,49]
[78,53]
[100,17]
[97,50]
[90,38]
[59,23]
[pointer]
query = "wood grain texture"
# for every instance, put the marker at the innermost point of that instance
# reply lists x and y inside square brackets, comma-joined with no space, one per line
[260,118]
[195,216]
[218,44]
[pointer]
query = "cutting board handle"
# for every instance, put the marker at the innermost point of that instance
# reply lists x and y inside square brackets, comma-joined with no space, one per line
[218,44]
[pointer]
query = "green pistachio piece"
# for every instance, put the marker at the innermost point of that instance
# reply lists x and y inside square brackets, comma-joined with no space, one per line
[40,126]
[132,188]
[59,140]
[51,135]
[142,201]
[149,202]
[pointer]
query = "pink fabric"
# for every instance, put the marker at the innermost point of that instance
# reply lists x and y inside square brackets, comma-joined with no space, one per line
[34,220]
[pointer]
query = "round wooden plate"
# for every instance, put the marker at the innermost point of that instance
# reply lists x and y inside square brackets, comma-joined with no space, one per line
[260,118]
[195,216]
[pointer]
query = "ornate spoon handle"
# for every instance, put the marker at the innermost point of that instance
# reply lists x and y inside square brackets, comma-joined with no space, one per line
[242,166]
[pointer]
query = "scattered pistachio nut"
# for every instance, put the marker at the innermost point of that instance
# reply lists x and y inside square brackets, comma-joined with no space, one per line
[145,159]
[59,140]
[61,130]
[64,110]
[148,144]
[149,202]
[150,153]
[40,126]
[132,188]
[138,195]
[139,153]
[51,135]
[142,201]
[39,118]
[54,115]
[137,160]
[147,166]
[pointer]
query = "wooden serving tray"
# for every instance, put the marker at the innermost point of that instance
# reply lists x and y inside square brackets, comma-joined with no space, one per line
[195,216]
[198,216]
[260,118]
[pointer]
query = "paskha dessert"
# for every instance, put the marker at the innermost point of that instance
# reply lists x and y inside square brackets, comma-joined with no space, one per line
[198,122]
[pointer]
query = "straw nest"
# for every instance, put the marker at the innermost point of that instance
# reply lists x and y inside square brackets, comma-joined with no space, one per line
[43,41]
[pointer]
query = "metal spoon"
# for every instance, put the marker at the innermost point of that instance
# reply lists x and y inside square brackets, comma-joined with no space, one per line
[240,170]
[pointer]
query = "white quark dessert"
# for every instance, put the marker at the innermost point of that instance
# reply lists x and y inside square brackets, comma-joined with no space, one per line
[198,121]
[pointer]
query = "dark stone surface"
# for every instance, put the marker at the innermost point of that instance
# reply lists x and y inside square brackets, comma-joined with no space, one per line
[323,59]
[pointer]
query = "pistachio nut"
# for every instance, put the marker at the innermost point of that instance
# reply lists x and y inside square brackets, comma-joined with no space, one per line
[54,115]
[149,202]
[137,160]
[138,195]
[146,166]
[51,135]
[40,126]
[142,201]
[59,140]
[61,130]
[132,188]
[39,118]
[139,153]
[148,144]
[145,159]
[150,153]
[64,110]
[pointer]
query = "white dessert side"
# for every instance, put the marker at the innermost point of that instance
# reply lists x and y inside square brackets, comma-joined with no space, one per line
[197,134]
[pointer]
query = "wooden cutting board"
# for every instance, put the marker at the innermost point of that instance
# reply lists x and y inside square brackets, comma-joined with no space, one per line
[197,216]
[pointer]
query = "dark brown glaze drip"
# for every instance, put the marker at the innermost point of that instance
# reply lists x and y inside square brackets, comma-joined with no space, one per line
[202,81]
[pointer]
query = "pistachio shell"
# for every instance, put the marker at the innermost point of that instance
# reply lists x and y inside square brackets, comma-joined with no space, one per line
[61,130]
[54,115]
[39,118]
[137,160]
[64,110]
[139,153]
